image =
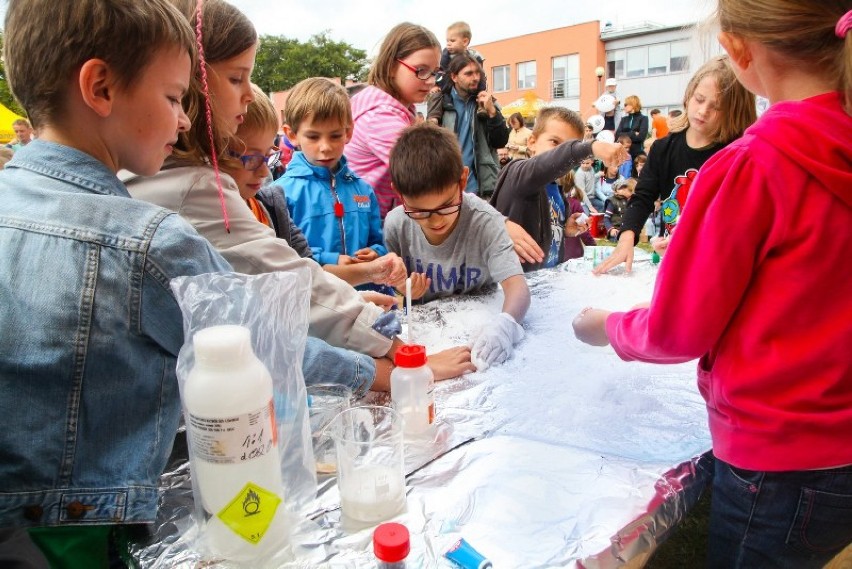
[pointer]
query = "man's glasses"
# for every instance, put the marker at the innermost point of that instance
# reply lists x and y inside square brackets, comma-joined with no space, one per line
[427,213]
[422,73]
[254,161]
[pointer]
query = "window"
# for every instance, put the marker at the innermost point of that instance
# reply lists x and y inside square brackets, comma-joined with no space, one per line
[658,59]
[500,78]
[526,75]
[566,77]
[637,59]
[615,63]
[679,56]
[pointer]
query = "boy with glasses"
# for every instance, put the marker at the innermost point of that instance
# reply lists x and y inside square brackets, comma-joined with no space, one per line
[453,242]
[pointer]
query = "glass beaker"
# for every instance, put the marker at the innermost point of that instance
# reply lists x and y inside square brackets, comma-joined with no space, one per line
[370,462]
[325,402]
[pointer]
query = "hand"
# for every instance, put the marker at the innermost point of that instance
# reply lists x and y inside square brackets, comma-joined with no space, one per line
[366,254]
[590,326]
[346,260]
[434,89]
[419,285]
[387,270]
[660,244]
[486,101]
[451,363]
[495,343]
[611,154]
[613,232]
[572,228]
[623,253]
[512,146]
[526,247]
[383,301]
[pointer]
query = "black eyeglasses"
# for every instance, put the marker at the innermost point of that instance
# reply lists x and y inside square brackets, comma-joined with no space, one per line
[254,161]
[422,73]
[427,213]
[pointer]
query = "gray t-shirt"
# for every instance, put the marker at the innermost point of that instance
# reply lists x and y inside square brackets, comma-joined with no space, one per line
[479,251]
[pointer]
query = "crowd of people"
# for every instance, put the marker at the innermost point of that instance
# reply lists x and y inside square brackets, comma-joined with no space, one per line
[155,160]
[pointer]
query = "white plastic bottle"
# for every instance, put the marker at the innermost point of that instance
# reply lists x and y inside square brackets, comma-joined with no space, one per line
[233,440]
[413,389]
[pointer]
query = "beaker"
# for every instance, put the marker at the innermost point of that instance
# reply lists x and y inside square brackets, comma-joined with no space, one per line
[325,402]
[370,462]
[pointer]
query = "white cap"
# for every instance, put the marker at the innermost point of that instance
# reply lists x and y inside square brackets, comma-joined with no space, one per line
[611,82]
[219,345]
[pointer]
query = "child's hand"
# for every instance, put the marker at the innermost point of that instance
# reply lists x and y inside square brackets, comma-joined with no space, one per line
[389,270]
[660,244]
[366,254]
[419,285]
[495,343]
[590,326]
[383,301]
[434,89]
[611,154]
[451,363]
[345,260]
[526,248]
[572,228]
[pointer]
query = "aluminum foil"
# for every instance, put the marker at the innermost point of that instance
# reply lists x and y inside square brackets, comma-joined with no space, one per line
[564,456]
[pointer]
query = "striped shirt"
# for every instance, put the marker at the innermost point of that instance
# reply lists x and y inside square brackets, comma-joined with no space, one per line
[379,120]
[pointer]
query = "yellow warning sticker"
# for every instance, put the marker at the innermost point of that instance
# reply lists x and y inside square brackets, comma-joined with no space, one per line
[251,512]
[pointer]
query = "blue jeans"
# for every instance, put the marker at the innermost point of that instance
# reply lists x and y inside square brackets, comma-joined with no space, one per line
[323,363]
[778,519]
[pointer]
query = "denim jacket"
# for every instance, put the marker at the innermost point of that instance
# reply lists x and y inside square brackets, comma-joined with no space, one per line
[89,334]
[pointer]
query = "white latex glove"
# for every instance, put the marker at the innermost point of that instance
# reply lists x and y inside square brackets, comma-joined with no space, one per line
[495,342]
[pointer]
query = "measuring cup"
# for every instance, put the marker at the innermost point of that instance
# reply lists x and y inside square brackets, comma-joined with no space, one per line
[325,402]
[370,462]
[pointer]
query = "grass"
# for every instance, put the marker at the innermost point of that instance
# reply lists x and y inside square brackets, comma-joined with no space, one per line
[687,546]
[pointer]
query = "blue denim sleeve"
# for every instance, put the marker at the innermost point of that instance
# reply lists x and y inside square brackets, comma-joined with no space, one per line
[323,363]
[176,250]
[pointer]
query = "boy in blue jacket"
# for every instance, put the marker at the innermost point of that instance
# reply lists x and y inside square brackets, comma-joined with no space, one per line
[336,210]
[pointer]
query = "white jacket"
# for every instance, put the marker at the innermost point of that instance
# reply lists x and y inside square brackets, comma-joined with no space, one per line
[338,315]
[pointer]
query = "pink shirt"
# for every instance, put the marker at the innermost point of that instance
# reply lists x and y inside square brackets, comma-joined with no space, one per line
[379,120]
[757,282]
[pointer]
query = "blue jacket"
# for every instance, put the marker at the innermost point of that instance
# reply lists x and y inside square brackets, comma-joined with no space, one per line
[90,332]
[310,200]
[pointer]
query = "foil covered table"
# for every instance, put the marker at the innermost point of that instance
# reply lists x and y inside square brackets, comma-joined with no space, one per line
[564,456]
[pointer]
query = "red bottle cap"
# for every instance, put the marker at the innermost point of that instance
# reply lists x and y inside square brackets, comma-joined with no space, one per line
[391,542]
[410,355]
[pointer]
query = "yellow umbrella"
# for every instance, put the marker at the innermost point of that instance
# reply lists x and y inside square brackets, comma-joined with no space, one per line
[7,117]
[528,105]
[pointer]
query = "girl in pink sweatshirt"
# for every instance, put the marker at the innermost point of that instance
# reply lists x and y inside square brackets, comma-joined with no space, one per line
[766,304]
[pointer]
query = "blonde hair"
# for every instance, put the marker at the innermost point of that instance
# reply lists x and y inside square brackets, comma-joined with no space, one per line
[226,33]
[46,41]
[403,40]
[462,29]
[569,117]
[801,30]
[634,101]
[321,100]
[260,116]
[737,108]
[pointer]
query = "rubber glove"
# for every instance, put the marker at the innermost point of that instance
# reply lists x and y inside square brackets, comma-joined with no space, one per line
[495,342]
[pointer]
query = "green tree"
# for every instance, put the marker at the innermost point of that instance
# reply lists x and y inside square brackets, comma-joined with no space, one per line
[282,62]
[6,96]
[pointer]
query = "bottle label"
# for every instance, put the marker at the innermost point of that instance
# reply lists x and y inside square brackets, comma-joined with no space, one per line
[251,512]
[234,439]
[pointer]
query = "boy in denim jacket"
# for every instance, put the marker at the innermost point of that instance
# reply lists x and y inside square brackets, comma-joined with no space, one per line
[90,332]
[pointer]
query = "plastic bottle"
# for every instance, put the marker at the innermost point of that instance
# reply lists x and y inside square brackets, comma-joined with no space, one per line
[233,442]
[413,389]
[391,545]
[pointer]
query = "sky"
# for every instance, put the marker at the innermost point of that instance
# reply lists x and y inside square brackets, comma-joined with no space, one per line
[363,24]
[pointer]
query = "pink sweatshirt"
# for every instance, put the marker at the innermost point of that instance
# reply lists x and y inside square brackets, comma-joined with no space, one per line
[757,282]
[379,120]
